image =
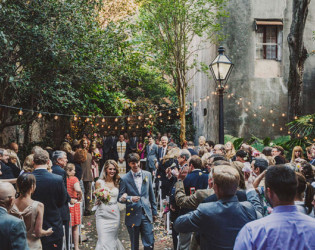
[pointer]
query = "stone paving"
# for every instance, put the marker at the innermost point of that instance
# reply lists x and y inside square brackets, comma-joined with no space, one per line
[163,241]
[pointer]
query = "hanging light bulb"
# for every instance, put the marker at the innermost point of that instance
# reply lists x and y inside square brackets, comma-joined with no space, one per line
[283,114]
[195,104]
[128,119]
[108,127]
[263,120]
[246,109]
[289,132]
[116,128]
[103,120]
[40,115]
[56,117]
[97,124]
[161,121]
[122,127]
[177,114]
[139,117]
[75,118]
[208,97]
[273,125]
[241,98]
[295,117]
[116,119]
[255,115]
[87,119]
[102,126]
[271,111]
[169,117]
[238,103]
[281,129]
[150,116]
[305,137]
[260,107]
[178,109]
[137,126]
[249,103]
[160,114]
[311,120]
[129,127]
[20,112]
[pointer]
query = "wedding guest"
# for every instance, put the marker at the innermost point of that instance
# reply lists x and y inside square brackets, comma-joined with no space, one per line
[50,190]
[96,156]
[75,192]
[66,147]
[30,211]
[141,147]
[15,147]
[12,163]
[285,226]
[202,143]
[308,172]
[278,154]
[28,165]
[297,154]
[304,196]
[59,160]
[79,157]
[230,150]
[219,149]
[227,214]
[12,229]
[87,176]
[190,148]
[133,142]
[152,155]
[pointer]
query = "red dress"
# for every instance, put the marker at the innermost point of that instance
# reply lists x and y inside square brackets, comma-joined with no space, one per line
[74,210]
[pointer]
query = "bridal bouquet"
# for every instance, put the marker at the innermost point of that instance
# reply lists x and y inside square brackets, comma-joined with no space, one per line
[102,195]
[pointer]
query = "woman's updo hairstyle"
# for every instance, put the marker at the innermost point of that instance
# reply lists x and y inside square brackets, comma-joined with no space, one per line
[24,183]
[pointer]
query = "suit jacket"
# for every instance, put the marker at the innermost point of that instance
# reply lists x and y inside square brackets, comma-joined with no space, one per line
[152,155]
[12,232]
[160,157]
[219,222]
[147,199]
[108,147]
[196,179]
[6,171]
[192,201]
[133,143]
[64,210]
[192,152]
[87,168]
[51,191]
[241,196]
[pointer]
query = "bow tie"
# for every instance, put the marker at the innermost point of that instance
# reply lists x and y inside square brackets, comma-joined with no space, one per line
[136,175]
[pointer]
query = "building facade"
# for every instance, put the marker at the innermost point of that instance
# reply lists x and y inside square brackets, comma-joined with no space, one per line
[256,100]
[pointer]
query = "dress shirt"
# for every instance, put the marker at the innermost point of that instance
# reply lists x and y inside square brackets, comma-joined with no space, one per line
[284,228]
[138,181]
[4,209]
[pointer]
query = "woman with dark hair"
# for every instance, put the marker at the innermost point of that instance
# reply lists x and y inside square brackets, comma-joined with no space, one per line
[308,172]
[107,212]
[30,211]
[304,196]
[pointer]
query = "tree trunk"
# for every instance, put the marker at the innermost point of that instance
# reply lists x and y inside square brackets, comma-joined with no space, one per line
[182,114]
[298,55]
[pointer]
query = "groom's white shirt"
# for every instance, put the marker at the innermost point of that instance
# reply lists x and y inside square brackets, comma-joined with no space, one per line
[138,180]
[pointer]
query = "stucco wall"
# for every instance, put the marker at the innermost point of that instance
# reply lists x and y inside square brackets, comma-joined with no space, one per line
[263,84]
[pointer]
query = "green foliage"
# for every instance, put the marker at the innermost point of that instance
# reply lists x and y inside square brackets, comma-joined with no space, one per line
[303,126]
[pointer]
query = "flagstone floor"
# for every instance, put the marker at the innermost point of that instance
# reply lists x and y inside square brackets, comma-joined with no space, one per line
[162,240]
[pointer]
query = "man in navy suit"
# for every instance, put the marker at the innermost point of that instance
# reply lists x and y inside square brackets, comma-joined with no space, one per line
[137,192]
[219,222]
[51,191]
[59,159]
[12,229]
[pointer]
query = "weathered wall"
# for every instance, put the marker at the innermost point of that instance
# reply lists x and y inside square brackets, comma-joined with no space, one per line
[262,83]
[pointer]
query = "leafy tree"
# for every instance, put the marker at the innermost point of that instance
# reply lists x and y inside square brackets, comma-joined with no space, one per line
[168,29]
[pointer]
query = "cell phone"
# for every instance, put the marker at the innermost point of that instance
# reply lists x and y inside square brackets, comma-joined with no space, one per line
[192,190]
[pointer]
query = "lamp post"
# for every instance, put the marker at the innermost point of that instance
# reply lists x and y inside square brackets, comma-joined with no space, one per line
[221,68]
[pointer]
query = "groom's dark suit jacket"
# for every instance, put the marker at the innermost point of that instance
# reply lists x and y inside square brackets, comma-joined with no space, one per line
[51,191]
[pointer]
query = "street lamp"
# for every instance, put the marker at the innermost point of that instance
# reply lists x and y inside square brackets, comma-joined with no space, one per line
[221,68]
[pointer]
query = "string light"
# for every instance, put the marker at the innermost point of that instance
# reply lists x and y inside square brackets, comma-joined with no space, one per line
[305,137]
[160,114]
[282,129]
[116,119]
[260,107]
[161,121]
[241,98]
[263,120]
[238,103]
[137,126]
[311,120]
[87,119]
[40,115]
[255,115]
[129,127]
[128,119]
[295,117]
[283,114]
[246,109]
[108,127]
[150,116]
[273,125]
[139,117]
[249,103]
[271,111]
[208,97]
[122,127]
[75,118]
[116,128]
[169,117]
[103,120]
[169,112]
[56,117]
[289,132]
[20,112]
[102,126]
[195,104]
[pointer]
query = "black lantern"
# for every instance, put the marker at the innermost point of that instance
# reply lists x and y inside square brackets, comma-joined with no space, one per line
[221,68]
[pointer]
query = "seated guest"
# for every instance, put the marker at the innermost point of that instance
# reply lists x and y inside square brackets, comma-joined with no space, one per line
[30,211]
[12,229]
[285,226]
[219,222]
[50,190]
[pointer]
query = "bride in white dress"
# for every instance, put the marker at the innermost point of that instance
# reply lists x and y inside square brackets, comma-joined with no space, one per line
[108,215]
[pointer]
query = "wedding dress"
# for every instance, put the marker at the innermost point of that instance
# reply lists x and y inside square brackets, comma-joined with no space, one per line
[107,222]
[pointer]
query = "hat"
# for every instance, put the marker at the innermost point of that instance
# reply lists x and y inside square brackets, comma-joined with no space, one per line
[261,163]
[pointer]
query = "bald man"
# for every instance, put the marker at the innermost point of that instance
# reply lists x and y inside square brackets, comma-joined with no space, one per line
[12,229]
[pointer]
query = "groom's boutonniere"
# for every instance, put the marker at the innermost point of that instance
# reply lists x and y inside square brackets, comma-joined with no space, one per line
[145,180]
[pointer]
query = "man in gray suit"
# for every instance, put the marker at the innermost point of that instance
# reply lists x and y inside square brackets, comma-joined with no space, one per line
[12,229]
[136,191]
[219,222]
[152,155]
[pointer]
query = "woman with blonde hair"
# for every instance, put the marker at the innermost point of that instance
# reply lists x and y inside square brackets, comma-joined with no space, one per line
[107,213]
[229,150]
[12,163]
[297,154]
[28,165]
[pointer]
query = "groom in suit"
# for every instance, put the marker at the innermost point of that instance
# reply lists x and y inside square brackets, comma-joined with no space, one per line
[137,192]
